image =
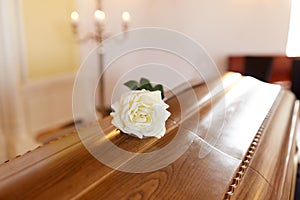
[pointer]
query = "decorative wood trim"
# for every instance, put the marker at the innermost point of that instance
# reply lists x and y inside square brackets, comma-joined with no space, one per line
[238,177]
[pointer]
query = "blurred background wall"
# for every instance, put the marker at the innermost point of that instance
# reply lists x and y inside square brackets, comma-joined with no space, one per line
[39,54]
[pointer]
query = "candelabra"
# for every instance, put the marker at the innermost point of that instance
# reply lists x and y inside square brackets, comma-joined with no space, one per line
[98,36]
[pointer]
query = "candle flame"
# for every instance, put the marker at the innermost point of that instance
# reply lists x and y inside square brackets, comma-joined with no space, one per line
[126,16]
[99,15]
[74,16]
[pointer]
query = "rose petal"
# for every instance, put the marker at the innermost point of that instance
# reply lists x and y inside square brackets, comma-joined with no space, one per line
[141,113]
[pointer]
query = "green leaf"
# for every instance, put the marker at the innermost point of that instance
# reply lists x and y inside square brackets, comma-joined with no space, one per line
[143,82]
[133,85]
[161,89]
[147,86]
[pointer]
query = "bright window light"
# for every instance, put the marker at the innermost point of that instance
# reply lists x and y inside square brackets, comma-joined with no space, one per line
[293,43]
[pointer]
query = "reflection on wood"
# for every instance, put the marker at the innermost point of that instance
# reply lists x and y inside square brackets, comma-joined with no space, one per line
[237,148]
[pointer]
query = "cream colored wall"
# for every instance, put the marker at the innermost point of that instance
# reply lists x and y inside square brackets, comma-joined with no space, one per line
[223,27]
[49,42]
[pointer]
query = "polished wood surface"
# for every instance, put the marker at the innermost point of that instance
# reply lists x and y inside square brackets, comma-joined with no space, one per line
[273,155]
[247,154]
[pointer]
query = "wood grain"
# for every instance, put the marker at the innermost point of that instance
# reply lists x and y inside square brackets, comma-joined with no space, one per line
[273,154]
[64,169]
[254,186]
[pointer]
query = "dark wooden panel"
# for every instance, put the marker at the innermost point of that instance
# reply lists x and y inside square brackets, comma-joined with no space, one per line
[236,64]
[280,69]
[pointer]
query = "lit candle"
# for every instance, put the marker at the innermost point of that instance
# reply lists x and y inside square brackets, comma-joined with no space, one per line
[74,18]
[99,17]
[126,17]
[125,20]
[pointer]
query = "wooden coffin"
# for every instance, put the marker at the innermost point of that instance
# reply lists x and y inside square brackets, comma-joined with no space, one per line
[241,146]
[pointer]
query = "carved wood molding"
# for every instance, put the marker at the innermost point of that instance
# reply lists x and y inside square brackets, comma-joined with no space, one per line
[238,177]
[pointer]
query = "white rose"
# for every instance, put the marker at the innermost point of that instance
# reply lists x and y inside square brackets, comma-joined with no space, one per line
[141,113]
